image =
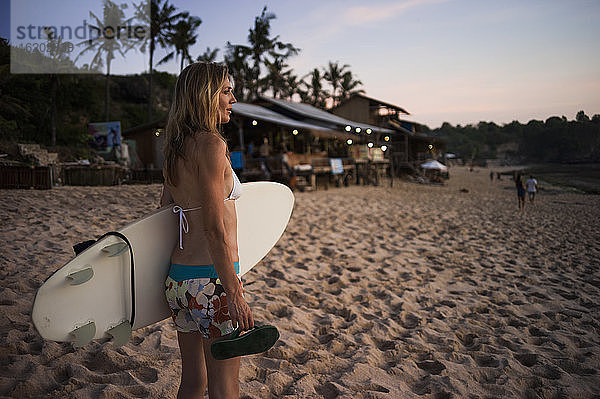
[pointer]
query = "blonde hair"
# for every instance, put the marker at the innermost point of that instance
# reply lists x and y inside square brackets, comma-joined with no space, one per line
[194,110]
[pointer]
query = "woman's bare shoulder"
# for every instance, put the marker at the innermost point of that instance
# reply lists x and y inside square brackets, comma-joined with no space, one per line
[207,147]
[204,141]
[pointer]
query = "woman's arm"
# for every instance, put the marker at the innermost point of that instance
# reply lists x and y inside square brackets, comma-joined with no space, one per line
[165,196]
[212,163]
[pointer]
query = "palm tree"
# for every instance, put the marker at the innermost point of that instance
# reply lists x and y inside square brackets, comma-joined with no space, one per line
[61,63]
[314,87]
[106,44]
[236,59]
[291,86]
[260,43]
[348,86]
[263,46]
[163,17]
[276,78]
[334,75]
[208,55]
[182,38]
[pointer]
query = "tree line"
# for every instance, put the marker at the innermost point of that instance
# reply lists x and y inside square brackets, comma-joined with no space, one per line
[554,140]
[44,107]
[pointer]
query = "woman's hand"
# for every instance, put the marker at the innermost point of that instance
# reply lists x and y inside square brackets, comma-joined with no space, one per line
[239,311]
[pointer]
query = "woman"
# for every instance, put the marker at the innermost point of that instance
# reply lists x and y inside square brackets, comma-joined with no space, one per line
[203,291]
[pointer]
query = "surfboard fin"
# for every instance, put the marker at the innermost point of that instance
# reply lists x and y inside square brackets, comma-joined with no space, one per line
[115,249]
[84,334]
[120,333]
[80,276]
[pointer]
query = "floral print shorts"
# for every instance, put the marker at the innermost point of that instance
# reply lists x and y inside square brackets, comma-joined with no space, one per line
[199,304]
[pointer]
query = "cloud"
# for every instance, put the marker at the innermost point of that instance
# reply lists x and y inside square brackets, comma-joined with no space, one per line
[361,15]
[333,18]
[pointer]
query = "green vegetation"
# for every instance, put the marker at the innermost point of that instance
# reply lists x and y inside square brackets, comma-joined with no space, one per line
[26,107]
[54,109]
[555,140]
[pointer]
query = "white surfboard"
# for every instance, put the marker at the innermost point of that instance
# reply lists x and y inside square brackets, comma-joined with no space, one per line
[92,296]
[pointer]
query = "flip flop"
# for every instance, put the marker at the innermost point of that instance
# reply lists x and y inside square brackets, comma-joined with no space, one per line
[259,339]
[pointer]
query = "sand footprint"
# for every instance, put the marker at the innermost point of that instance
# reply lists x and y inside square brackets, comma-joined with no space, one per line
[485,359]
[434,367]
[409,320]
[280,310]
[468,340]
[526,359]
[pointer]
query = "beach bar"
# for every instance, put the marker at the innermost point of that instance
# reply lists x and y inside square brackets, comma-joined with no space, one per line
[361,142]
[408,141]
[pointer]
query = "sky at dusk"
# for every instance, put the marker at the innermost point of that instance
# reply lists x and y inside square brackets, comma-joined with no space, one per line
[460,61]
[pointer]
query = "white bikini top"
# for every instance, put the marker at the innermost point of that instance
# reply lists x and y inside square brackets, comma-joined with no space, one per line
[184,227]
[236,191]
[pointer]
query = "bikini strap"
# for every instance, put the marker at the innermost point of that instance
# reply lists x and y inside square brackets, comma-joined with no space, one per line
[184,226]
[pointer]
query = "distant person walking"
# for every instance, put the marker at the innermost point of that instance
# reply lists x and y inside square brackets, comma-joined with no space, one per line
[531,185]
[492,175]
[520,192]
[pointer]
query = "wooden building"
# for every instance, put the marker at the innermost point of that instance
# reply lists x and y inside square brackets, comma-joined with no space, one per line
[409,141]
[311,138]
[148,141]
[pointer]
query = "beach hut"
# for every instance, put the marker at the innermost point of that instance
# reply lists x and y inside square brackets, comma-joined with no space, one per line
[409,142]
[270,145]
[355,135]
[310,138]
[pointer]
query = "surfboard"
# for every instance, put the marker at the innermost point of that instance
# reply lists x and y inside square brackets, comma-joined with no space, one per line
[117,284]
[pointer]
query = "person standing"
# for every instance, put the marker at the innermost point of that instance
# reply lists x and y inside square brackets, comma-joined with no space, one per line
[265,148]
[520,191]
[531,185]
[203,289]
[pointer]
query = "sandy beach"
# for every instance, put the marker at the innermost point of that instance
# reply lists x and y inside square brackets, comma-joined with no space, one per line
[414,291]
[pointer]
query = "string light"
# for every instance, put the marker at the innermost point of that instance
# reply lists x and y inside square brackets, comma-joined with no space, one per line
[349,141]
[348,128]
[254,122]
[295,132]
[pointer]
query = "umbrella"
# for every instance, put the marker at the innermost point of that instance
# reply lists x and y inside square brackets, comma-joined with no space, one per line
[434,165]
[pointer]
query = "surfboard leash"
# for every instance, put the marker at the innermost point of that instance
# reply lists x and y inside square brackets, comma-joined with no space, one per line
[124,238]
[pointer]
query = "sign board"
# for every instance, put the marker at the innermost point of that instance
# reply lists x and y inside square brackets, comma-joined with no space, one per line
[337,168]
[105,136]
